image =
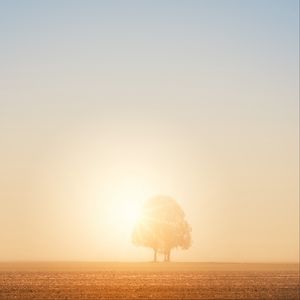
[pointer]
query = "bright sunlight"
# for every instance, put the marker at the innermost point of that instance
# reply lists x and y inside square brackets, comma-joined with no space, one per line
[126,201]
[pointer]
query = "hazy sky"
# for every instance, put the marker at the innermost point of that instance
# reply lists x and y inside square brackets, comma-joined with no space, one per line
[106,103]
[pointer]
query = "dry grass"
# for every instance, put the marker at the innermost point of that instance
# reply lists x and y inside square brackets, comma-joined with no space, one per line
[148,281]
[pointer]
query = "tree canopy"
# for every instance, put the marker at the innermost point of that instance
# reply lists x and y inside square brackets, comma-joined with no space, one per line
[162,227]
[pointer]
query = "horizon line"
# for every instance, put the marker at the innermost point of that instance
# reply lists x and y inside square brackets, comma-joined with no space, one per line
[141,261]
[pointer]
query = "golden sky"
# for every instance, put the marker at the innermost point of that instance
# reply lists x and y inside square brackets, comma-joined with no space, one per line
[103,106]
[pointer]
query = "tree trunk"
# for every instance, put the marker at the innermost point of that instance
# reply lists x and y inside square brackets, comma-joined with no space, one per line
[168,255]
[155,255]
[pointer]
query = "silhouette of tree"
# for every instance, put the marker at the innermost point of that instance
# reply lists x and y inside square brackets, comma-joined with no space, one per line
[162,227]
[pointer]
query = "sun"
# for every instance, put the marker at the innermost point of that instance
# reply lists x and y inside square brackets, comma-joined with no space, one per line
[129,213]
[126,203]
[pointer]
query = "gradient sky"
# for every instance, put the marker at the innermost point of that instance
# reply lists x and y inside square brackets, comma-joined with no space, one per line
[106,103]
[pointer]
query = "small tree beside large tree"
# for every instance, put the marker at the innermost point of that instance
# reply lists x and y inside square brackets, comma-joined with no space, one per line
[162,227]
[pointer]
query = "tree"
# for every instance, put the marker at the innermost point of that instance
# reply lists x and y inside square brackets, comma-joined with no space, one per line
[162,227]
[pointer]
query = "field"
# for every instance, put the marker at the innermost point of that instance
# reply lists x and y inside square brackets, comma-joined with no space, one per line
[148,281]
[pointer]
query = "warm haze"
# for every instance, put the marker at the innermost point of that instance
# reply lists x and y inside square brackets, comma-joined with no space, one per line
[104,104]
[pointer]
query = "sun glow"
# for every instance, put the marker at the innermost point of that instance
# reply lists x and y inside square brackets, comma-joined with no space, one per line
[129,213]
[126,203]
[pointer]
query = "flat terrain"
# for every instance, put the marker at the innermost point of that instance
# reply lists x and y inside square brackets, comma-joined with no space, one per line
[92,280]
